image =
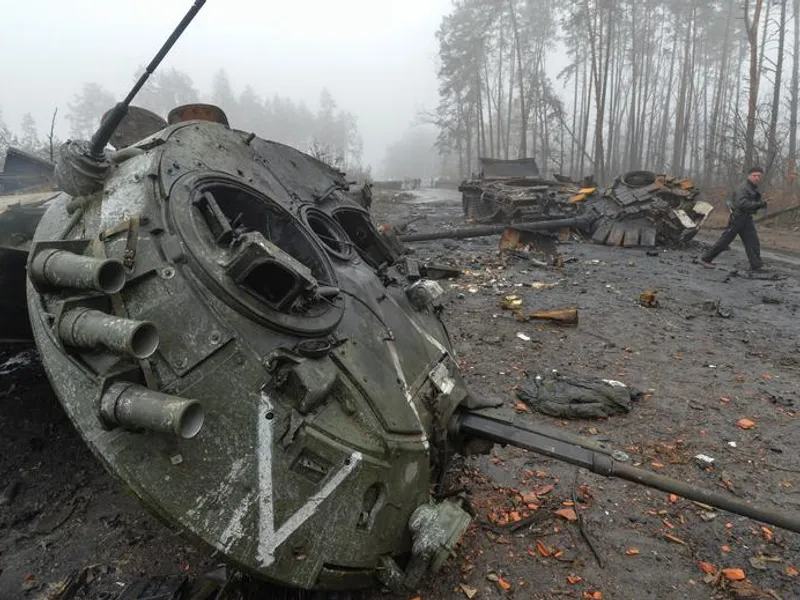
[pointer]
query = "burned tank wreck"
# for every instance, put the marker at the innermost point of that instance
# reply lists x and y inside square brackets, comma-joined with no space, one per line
[26,186]
[639,208]
[266,372]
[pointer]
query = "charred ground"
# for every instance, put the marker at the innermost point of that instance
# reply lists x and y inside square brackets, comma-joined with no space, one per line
[719,347]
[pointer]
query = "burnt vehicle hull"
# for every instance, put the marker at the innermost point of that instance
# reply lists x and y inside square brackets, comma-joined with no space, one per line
[640,208]
[19,216]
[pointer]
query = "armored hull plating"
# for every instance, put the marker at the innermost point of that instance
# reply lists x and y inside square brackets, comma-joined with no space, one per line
[220,327]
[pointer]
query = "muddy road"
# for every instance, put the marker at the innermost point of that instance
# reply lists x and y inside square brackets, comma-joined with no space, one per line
[719,347]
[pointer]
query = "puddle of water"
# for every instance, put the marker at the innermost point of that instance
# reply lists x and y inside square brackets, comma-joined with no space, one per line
[435,196]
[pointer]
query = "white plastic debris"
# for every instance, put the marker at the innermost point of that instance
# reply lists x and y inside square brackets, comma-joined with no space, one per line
[704,460]
[16,362]
[614,383]
[523,337]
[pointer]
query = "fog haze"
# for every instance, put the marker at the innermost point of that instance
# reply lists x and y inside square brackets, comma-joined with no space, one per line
[378,59]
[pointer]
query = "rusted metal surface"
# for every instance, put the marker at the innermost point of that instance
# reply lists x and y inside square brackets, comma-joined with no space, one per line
[197,112]
[565,316]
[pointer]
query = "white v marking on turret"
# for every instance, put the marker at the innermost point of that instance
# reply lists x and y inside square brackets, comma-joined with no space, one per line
[270,538]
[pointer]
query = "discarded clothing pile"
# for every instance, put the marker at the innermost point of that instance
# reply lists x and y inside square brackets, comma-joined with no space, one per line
[570,397]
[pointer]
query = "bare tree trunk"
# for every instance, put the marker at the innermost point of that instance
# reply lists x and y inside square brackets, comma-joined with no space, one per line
[664,128]
[523,145]
[719,91]
[606,70]
[731,147]
[588,82]
[616,113]
[468,131]
[510,101]
[763,47]
[679,139]
[479,113]
[751,27]
[600,50]
[545,129]
[575,109]
[653,85]
[460,147]
[794,95]
[689,115]
[700,129]
[630,143]
[499,104]
[533,103]
[489,109]
[772,141]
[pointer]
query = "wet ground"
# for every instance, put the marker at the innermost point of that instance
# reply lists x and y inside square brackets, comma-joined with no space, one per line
[719,347]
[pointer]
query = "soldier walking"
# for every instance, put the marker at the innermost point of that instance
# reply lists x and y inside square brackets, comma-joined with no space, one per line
[743,203]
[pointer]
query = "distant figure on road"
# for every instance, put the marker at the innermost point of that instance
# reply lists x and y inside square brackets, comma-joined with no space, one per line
[743,203]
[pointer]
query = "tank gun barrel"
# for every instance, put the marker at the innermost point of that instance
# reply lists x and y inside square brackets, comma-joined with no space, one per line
[486,230]
[548,443]
[107,129]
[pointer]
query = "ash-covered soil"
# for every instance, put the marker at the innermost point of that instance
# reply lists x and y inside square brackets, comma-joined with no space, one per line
[719,347]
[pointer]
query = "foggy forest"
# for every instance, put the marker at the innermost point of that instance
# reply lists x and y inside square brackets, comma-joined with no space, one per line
[700,89]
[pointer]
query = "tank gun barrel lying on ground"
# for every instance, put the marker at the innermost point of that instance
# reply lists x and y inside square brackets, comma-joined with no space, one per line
[486,230]
[599,459]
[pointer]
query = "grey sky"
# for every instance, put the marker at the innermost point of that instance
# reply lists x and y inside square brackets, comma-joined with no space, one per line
[377,57]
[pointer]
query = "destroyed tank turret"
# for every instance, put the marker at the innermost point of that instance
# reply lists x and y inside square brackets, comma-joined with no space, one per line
[249,360]
[269,374]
